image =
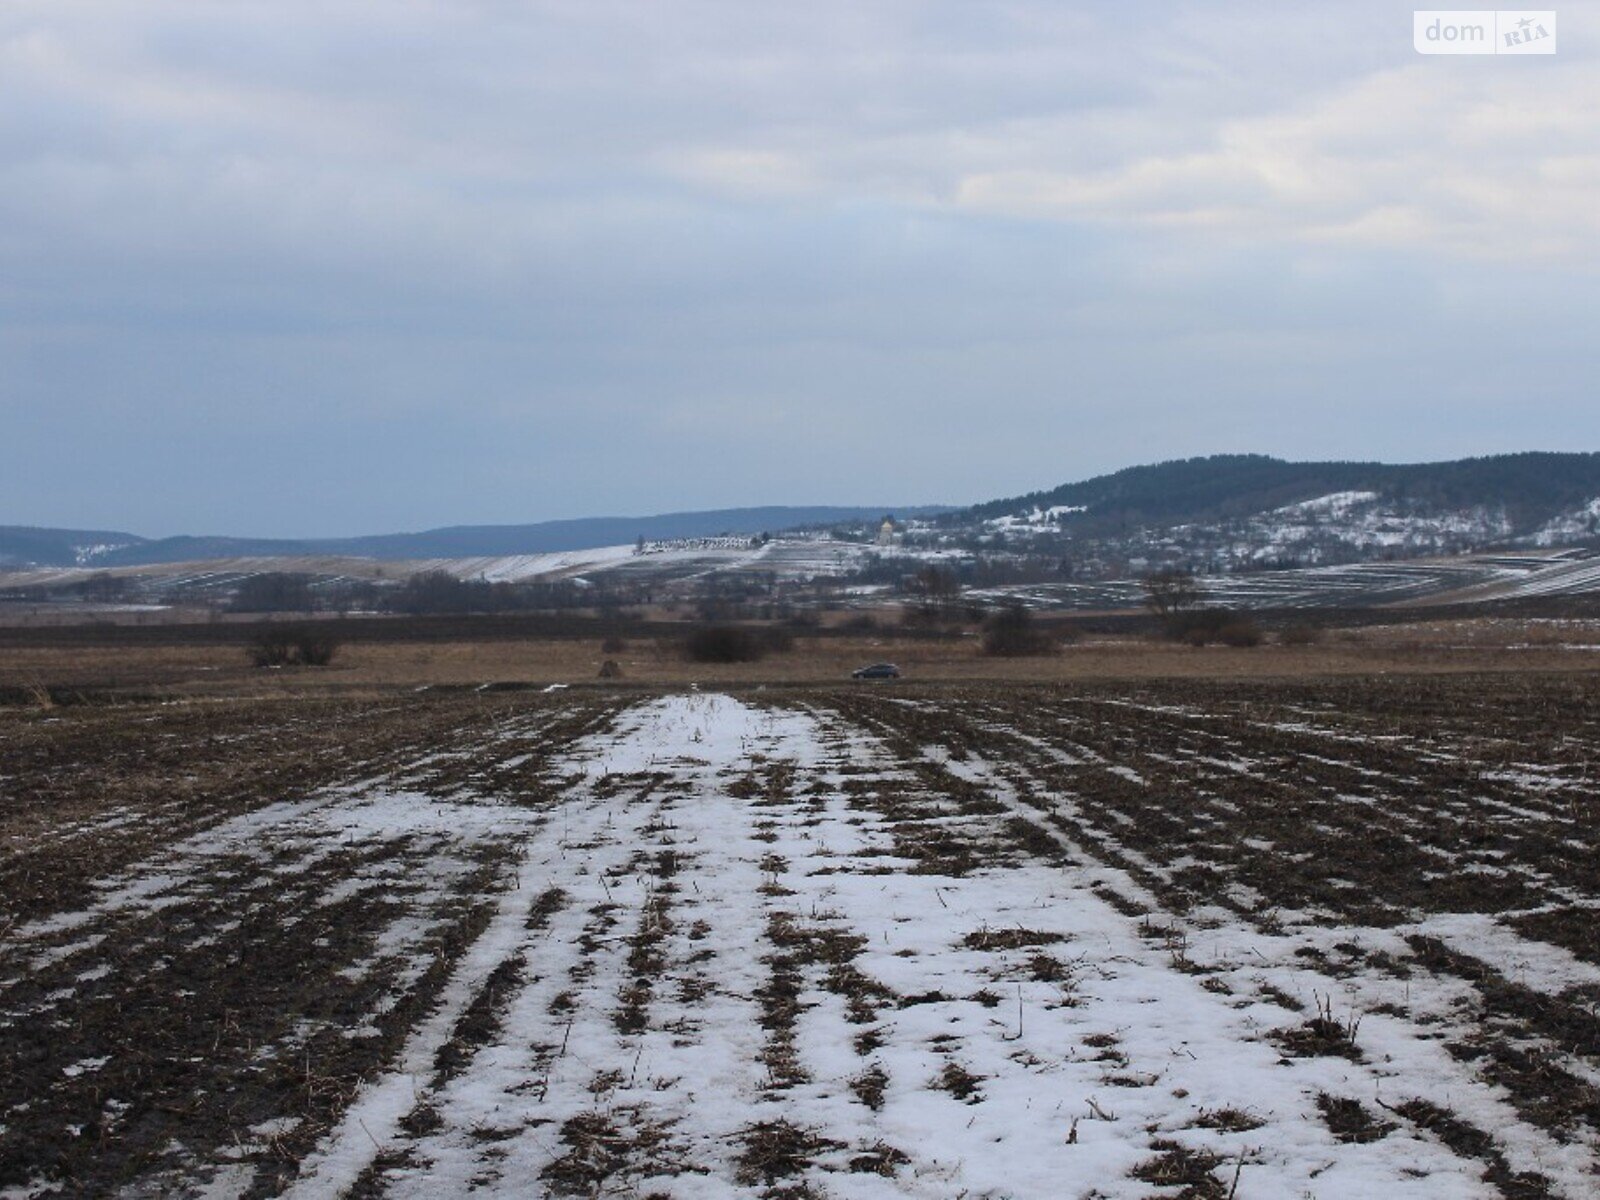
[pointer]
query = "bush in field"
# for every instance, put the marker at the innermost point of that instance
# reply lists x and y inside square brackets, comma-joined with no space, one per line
[1202,626]
[314,649]
[610,670]
[1197,627]
[724,644]
[272,648]
[1301,633]
[1013,633]
[613,645]
[1240,632]
[282,647]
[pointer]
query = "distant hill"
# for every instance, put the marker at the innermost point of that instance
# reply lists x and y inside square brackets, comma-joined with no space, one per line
[471,541]
[27,545]
[1223,513]
[1531,489]
[24,546]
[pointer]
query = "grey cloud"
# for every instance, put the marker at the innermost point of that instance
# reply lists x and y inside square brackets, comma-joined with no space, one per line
[276,269]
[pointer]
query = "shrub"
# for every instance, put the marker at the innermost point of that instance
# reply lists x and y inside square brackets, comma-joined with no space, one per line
[610,670]
[1241,632]
[314,649]
[1302,633]
[724,644]
[39,694]
[613,645]
[272,648]
[1012,633]
[282,647]
[1202,626]
[1198,626]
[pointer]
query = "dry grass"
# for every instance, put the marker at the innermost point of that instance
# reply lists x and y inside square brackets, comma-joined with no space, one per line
[1486,646]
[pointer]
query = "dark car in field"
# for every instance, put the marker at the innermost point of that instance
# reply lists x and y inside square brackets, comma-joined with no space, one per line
[877,671]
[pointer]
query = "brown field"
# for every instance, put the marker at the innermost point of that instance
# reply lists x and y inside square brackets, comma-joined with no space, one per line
[1250,938]
[1472,646]
[1130,920]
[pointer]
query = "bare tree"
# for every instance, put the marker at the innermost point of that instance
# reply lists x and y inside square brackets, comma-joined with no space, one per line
[937,583]
[937,589]
[1170,591]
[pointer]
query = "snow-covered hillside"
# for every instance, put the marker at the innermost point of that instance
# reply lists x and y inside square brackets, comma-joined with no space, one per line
[1331,529]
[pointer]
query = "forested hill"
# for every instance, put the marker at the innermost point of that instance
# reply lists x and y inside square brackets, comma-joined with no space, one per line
[1531,488]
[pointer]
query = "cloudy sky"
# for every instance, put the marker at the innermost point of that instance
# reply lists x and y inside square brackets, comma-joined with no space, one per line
[272,267]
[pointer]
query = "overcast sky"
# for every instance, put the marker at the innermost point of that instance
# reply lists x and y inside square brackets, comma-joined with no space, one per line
[271,267]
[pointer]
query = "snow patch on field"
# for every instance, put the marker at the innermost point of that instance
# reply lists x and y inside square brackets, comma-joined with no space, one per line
[1026,1038]
[919,966]
[1538,965]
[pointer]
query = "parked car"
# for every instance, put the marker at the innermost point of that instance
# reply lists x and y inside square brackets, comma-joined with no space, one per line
[877,671]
